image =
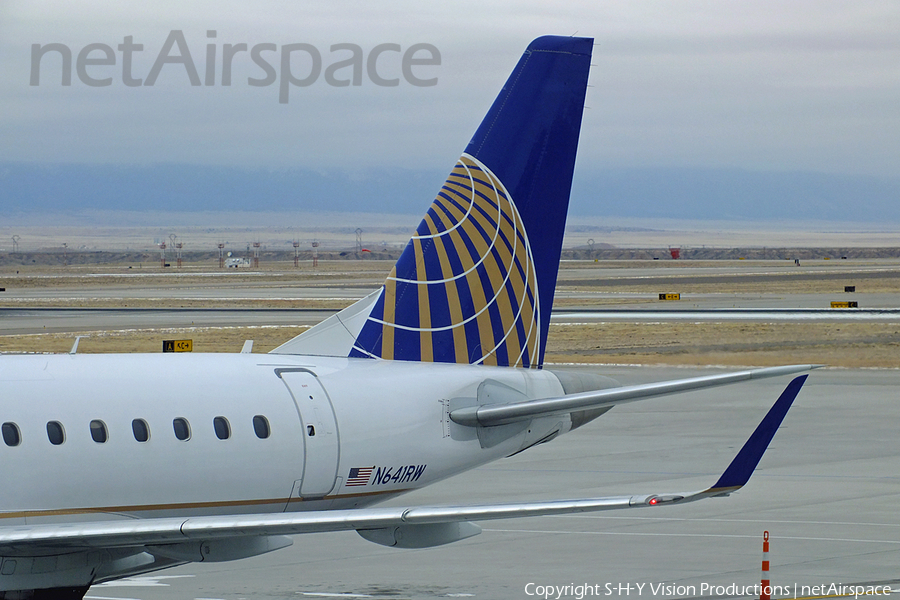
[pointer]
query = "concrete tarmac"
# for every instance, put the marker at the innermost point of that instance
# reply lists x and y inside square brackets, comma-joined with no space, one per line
[825,490]
[721,315]
[22,321]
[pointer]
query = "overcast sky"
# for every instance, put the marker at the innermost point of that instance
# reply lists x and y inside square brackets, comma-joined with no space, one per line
[811,85]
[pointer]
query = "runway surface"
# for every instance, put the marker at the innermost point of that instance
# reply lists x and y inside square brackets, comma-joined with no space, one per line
[826,491]
[728,314]
[755,274]
[18,321]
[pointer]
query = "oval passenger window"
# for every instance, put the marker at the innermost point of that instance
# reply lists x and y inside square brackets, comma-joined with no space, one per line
[98,431]
[56,433]
[223,430]
[11,436]
[141,430]
[261,427]
[182,429]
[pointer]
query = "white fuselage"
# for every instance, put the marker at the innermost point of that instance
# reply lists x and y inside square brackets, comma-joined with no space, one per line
[341,432]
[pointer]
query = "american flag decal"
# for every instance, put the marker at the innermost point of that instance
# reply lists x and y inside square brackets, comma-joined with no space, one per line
[359,476]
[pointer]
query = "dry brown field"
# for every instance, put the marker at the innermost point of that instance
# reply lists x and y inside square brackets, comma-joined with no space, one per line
[850,344]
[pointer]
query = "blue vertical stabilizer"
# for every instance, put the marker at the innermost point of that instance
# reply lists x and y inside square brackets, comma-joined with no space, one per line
[475,283]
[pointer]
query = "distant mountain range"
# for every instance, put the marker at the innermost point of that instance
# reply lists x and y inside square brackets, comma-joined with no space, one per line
[681,193]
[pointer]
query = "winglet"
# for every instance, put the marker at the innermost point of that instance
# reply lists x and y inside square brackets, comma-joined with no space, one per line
[743,465]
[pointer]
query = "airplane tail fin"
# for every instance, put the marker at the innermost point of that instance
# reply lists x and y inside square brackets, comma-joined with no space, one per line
[475,283]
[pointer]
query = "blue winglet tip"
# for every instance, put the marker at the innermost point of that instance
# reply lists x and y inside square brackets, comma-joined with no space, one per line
[743,465]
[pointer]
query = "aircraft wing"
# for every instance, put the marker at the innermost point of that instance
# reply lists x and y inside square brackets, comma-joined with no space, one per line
[488,415]
[403,527]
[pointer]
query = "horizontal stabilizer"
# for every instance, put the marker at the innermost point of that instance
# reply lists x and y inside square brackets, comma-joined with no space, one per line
[335,335]
[501,414]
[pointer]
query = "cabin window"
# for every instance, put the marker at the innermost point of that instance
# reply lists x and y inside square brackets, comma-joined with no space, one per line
[98,431]
[11,436]
[223,429]
[261,427]
[55,433]
[141,430]
[182,429]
